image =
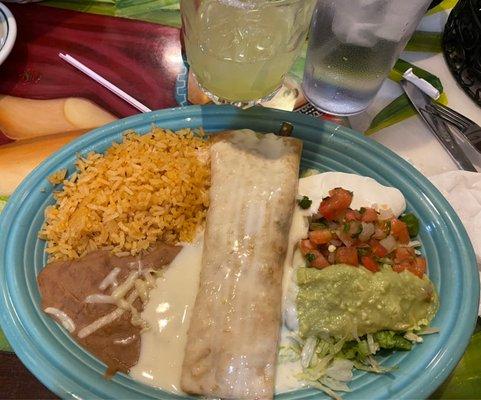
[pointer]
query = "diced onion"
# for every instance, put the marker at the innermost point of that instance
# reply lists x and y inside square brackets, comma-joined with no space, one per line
[62,318]
[385,214]
[345,239]
[379,234]
[354,228]
[367,231]
[389,243]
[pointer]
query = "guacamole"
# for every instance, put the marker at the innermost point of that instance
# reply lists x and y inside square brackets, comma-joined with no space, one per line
[346,302]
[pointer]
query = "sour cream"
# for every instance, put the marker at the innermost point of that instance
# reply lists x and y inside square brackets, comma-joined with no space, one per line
[169,308]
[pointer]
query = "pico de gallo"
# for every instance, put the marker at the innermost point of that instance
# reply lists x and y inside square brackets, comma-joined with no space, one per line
[368,237]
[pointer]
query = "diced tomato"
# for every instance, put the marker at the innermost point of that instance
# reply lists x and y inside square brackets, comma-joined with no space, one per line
[337,203]
[319,262]
[347,255]
[378,249]
[370,263]
[403,254]
[421,263]
[400,267]
[418,268]
[306,246]
[322,236]
[353,215]
[405,259]
[400,231]
[369,215]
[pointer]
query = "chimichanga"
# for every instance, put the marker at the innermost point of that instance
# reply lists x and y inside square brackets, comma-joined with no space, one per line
[233,336]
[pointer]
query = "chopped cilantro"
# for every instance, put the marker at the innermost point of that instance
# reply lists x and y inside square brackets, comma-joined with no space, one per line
[412,223]
[305,202]
[392,340]
[363,251]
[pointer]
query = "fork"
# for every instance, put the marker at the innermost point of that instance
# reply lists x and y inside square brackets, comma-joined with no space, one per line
[468,128]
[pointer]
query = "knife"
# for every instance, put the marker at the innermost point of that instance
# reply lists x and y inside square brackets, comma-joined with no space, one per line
[422,104]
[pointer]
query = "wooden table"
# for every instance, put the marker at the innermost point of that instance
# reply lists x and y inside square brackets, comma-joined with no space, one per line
[16,381]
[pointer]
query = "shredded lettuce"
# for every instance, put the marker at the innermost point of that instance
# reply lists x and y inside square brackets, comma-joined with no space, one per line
[326,390]
[308,351]
[328,364]
[309,172]
[334,384]
[355,350]
[289,354]
[340,369]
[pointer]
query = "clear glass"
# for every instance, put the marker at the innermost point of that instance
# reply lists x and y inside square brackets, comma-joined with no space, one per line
[353,44]
[240,50]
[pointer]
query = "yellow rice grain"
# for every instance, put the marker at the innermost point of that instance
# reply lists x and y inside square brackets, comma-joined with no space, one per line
[146,188]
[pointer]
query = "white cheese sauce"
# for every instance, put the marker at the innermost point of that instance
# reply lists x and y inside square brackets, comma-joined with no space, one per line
[168,314]
[171,302]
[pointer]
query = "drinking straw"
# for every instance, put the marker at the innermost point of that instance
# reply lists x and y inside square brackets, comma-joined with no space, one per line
[104,82]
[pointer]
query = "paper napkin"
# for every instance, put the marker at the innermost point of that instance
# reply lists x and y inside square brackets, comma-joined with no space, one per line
[463,190]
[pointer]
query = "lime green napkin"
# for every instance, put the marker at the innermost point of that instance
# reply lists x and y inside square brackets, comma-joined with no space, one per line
[465,381]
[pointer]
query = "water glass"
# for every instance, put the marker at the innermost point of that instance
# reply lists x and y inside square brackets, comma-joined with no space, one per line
[353,44]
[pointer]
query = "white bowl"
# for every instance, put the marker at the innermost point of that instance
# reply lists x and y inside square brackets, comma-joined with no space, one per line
[8,32]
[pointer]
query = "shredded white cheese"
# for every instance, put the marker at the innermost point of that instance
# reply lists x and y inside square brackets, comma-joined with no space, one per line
[100,323]
[141,288]
[128,284]
[100,299]
[62,318]
[106,319]
[110,279]
[149,278]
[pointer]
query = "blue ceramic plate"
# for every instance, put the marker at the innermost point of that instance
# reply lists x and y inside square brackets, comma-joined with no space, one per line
[65,368]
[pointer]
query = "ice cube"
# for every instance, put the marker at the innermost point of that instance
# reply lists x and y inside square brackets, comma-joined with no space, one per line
[357,22]
[398,19]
